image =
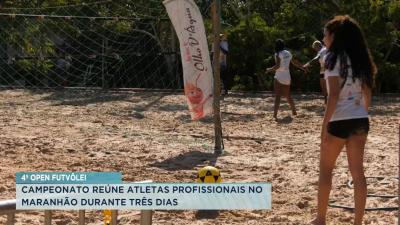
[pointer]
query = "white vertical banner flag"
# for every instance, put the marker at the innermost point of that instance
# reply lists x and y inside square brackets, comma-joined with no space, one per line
[197,70]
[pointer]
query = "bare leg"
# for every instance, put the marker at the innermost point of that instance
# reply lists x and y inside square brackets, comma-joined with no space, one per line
[277,88]
[355,155]
[286,93]
[330,150]
[291,103]
[324,91]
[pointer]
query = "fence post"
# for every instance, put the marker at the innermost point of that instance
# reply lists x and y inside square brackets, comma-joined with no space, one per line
[103,81]
[11,218]
[146,217]
[217,82]
[47,217]
[81,217]
[114,217]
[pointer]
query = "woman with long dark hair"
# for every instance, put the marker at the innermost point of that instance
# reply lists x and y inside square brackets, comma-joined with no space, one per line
[349,74]
[283,59]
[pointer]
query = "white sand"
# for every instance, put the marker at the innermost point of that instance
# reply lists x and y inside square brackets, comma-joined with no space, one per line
[150,136]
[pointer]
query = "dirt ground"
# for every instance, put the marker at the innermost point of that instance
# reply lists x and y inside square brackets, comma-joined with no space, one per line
[148,135]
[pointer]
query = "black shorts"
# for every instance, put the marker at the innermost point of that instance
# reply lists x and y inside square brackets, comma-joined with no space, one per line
[346,128]
[321,76]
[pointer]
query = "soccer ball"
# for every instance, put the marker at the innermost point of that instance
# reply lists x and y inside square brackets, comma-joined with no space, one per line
[209,174]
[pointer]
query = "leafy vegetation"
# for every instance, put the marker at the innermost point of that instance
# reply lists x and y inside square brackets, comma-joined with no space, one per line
[251,27]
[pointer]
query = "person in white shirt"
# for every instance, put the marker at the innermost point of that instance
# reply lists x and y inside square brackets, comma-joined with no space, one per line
[283,59]
[224,50]
[349,73]
[321,52]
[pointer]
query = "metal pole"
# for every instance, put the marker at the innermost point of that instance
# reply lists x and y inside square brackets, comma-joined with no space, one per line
[174,58]
[103,85]
[217,82]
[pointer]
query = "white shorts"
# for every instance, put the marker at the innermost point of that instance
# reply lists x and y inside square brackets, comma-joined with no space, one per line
[283,77]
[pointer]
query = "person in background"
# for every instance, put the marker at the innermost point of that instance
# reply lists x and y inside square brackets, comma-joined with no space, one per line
[321,52]
[224,50]
[62,67]
[283,59]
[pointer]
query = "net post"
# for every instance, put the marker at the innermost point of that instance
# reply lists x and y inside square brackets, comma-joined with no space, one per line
[217,80]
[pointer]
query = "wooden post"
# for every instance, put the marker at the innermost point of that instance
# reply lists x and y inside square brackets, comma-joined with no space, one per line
[81,217]
[114,217]
[217,80]
[146,217]
[47,217]
[11,219]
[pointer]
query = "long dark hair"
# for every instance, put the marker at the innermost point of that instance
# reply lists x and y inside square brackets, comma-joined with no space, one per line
[279,45]
[349,40]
